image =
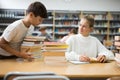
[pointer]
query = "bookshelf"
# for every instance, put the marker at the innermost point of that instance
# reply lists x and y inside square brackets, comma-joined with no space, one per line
[117,43]
[107,26]
[114,24]
[7,16]
[64,22]
[100,26]
[47,22]
[59,22]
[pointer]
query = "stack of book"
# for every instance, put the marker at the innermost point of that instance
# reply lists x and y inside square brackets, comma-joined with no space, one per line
[34,39]
[33,45]
[55,46]
[117,42]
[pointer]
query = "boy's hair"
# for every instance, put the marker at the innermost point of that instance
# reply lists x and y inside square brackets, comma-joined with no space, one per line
[38,9]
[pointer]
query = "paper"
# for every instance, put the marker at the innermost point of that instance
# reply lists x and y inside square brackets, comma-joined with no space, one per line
[78,62]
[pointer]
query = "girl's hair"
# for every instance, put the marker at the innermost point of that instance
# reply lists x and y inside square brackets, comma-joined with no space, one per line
[90,20]
[42,28]
[73,30]
[38,9]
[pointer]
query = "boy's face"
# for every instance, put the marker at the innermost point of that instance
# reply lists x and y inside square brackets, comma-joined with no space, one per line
[35,20]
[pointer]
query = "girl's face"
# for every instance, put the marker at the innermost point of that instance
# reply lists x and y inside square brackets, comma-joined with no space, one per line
[35,20]
[84,27]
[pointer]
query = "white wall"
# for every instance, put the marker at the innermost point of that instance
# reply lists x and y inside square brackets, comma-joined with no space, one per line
[93,5]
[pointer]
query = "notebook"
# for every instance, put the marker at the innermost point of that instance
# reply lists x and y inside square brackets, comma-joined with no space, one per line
[79,62]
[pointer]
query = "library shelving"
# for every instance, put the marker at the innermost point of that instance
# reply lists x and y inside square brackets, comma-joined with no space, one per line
[117,43]
[47,22]
[7,16]
[59,22]
[107,26]
[64,22]
[100,26]
[114,24]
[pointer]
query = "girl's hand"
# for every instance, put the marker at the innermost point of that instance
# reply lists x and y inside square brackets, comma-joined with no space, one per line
[101,58]
[84,58]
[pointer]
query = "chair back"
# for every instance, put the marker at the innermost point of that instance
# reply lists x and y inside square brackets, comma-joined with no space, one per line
[45,77]
[11,75]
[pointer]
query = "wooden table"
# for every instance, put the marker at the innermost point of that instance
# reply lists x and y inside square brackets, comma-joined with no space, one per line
[60,66]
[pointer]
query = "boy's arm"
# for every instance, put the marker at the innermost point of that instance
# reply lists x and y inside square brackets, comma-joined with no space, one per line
[4,45]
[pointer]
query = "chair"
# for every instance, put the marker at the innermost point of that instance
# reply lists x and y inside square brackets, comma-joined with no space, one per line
[46,77]
[11,75]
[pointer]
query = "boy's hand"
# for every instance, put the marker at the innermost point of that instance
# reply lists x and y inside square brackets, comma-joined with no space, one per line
[27,55]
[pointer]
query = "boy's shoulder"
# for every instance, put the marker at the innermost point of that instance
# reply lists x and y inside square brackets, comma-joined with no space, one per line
[17,22]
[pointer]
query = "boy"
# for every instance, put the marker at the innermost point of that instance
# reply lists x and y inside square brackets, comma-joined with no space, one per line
[14,34]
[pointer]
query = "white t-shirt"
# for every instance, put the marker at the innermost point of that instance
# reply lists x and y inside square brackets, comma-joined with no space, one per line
[89,46]
[14,34]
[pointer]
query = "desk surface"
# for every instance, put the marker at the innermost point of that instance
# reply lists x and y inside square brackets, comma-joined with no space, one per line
[60,66]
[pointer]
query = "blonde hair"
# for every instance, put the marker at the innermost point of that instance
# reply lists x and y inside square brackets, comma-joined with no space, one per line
[42,28]
[90,20]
